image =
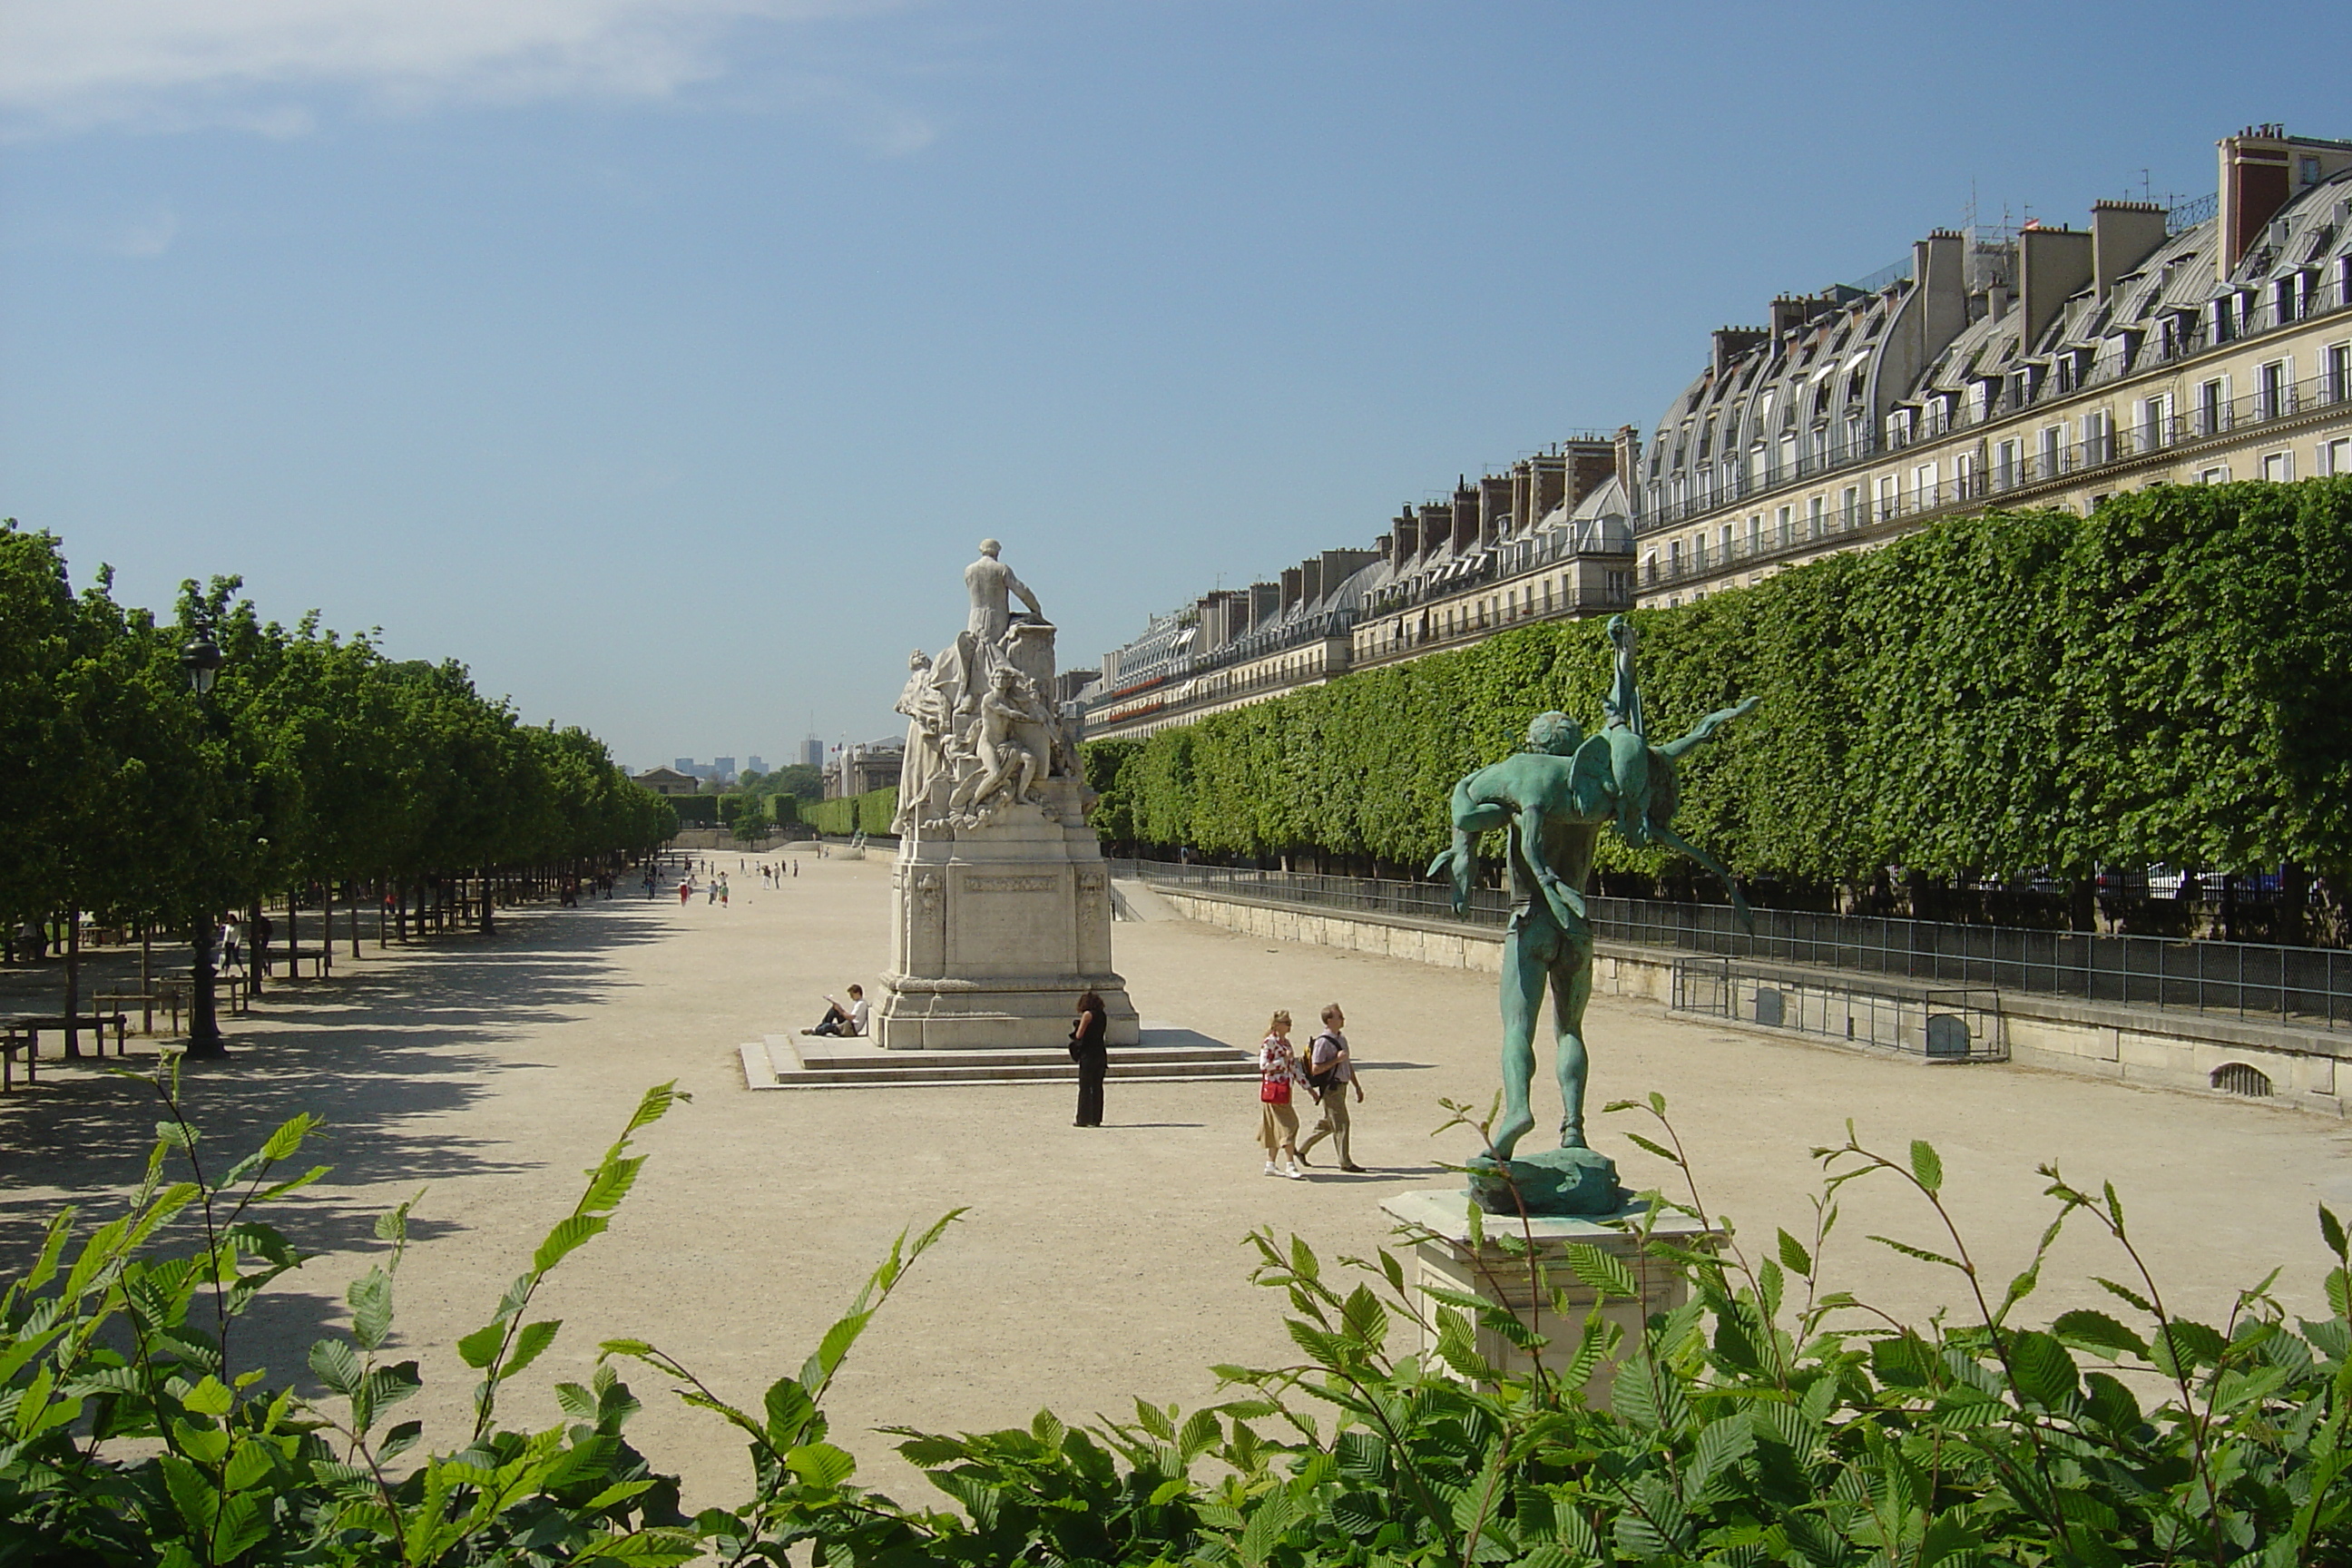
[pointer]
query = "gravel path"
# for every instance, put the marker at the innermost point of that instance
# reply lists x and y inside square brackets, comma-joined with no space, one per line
[1092,1266]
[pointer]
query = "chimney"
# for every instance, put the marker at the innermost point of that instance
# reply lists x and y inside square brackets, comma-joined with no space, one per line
[1436,527]
[1465,516]
[1523,493]
[1628,446]
[1791,310]
[2123,235]
[1311,585]
[1264,604]
[1938,273]
[1408,539]
[1589,465]
[1495,517]
[2053,266]
[1292,580]
[1730,343]
[1996,300]
[2256,175]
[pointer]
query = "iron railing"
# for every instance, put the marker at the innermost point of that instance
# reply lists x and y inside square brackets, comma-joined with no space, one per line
[1793,456]
[2302,987]
[2014,465]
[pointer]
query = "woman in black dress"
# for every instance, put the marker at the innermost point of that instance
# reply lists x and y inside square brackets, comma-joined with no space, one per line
[1091,1051]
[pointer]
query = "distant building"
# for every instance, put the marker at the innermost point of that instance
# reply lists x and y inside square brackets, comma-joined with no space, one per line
[686,765]
[2036,366]
[755,763]
[667,780]
[722,769]
[875,764]
[813,753]
[2026,366]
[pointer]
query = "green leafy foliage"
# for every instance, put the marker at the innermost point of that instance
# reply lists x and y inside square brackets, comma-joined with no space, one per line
[1991,696]
[1764,1420]
[315,758]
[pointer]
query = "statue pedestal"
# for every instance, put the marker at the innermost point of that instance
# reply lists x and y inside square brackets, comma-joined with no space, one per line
[1445,1258]
[996,930]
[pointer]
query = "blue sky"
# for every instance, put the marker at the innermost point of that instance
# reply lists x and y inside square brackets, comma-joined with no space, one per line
[664,359]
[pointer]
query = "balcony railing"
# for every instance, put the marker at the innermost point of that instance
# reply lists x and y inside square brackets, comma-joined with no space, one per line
[2188,335]
[2029,468]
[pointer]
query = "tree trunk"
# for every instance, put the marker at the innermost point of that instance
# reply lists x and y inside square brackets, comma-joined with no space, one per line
[488,923]
[147,976]
[73,988]
[2082,904]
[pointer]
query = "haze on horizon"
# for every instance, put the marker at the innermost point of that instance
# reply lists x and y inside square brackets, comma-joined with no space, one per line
[666,360]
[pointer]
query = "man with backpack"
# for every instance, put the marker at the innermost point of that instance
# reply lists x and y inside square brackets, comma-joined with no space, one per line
[1330,1073]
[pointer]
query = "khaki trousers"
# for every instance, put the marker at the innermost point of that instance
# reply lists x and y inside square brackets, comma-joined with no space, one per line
[1334,1124]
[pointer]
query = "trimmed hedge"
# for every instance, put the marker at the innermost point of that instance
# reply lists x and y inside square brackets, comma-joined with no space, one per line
[695,810]
[871,813]
[2160,683]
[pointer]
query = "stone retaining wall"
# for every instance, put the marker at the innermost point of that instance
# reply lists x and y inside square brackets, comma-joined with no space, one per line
[2308,1069]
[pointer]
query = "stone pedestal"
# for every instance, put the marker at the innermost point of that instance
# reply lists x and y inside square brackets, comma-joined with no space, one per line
[998,928]
[1446,1258]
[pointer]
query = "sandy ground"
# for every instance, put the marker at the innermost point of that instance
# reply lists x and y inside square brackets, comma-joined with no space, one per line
[1092,1266]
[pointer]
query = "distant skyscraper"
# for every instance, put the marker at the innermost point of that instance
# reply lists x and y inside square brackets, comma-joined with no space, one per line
[723,769]
[686,766]
[755,763]
[813,753]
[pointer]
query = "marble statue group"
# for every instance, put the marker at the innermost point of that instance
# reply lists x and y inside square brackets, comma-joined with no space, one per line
[1000,902]
[982,733]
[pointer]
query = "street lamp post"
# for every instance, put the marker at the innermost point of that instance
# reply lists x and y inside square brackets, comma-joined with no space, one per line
[202,659]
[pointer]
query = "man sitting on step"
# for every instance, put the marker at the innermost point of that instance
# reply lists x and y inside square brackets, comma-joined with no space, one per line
[840,1020]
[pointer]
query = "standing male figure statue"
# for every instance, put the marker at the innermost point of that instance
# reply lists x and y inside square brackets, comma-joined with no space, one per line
[1552,799]
[992,585]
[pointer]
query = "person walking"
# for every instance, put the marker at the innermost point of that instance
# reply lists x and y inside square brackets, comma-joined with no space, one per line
[1090,1049]
[1278,1072]
[1330,1073]
[723,889]
[684,889]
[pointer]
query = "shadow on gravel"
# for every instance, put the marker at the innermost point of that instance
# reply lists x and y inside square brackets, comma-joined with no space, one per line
[371,1048]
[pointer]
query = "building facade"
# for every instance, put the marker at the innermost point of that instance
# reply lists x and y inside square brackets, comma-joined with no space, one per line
[2025,366]
[2021,368]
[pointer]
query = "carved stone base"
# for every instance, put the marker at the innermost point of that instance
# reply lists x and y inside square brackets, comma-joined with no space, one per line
[997,928]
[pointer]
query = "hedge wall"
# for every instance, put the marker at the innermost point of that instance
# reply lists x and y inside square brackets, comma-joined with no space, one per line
[695,810]
[870,813]
[2169,680]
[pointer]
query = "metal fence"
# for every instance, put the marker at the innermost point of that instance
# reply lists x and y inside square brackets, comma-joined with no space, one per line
[1959,1025]
[2303,986]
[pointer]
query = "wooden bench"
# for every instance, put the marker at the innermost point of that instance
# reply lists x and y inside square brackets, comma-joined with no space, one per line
[319,958]
[95,1022]
[146,1004]
[12,1040]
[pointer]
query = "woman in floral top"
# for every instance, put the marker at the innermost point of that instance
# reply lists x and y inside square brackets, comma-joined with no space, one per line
[1277,1070]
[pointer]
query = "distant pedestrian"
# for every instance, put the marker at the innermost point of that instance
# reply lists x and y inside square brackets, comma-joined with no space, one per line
[231,943]
[1278,1072]
[710,893]
[723,889]
[796,867]
[1330,1073]
[1090,1049]
[684,889]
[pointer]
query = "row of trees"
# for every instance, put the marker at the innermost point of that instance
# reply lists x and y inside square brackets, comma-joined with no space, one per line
[127,794]
[2018,693]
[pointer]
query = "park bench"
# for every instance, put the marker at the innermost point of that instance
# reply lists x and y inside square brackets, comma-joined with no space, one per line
[95,1022]
[12,1040]
[319,958]
[147,1004]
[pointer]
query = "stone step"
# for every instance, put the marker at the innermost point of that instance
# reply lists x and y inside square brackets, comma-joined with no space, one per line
[782,1061]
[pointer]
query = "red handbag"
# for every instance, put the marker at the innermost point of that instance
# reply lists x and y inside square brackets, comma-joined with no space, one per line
[1273,1092]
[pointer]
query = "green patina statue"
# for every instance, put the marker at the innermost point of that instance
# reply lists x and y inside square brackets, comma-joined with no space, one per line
[1552,801]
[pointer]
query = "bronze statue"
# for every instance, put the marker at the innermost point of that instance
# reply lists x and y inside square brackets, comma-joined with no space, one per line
[1552,800]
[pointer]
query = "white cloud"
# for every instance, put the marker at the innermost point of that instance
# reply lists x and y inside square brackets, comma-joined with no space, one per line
[172,64]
